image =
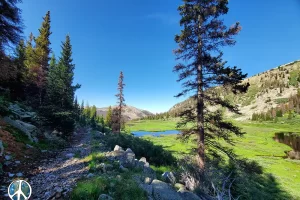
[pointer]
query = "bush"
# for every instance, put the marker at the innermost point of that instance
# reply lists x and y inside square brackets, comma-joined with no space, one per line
[61,120]
[243,178]
[142,148]
[123,189]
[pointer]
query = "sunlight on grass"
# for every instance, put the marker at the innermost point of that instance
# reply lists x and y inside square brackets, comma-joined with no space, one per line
[257,145]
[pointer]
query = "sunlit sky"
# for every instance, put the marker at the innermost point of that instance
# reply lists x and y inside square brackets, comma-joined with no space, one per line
[137,37]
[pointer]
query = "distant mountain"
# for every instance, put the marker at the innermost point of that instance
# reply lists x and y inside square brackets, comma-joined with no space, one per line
[130,112]
[267,89]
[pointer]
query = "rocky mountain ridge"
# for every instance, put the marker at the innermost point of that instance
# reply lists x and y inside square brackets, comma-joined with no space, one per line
[130,112]
[267,89]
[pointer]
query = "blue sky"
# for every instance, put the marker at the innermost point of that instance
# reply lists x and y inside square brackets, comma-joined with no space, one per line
[137,37]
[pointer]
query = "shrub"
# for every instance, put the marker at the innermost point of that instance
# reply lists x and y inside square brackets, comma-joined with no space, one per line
[142,148]
[123,189]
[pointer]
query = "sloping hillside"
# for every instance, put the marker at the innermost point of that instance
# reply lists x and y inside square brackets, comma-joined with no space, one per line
[130,112]
[267,90]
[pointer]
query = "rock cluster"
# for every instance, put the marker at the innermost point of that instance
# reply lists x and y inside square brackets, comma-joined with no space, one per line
[21,119]
[147,181]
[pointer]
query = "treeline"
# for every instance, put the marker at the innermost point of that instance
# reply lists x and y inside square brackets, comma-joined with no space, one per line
[290,108]
[33,74]
[158,116]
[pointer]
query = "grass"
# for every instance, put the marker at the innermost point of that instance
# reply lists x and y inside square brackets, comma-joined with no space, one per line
[257,145]
[123,188]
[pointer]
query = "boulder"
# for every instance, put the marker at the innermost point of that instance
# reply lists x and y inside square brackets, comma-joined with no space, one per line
[115,155]
[163,191]
[128,159]
[187,195]
[123,169]
[118,148]
[143,163]
[20,113]
[105,197]
[149,172]
[29,129]
[1,148]
[129,150]
[169,177]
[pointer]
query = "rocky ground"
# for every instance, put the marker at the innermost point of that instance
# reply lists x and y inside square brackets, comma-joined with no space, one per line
[54,173]
[55,177]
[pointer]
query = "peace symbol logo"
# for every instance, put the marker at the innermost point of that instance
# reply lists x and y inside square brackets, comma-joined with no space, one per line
[19,190]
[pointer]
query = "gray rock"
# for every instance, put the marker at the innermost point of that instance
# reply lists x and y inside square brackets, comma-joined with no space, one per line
[105,197]
[43,151]
[7,157]
[90,175]
[11,175]
[118,148]
[129,150]
[58,189]
[20,113]
[147,188]
[187,195]
[169,177]
[17,162]
[70,155]
[29,129]
[163,191]
[143,162]
[128,160]
[149,172]
[1,148]
[29,146]
[148,180]
[19,174]
[124,169]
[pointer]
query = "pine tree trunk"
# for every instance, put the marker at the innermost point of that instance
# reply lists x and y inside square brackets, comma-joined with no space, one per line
[200,104]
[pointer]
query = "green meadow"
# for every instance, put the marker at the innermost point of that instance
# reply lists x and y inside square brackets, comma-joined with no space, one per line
[257,144]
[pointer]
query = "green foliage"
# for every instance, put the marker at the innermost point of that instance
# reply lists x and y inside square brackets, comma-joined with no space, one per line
[4,106]
[155,154]
[124,189]
[282,100]
[294,78]
[108,119]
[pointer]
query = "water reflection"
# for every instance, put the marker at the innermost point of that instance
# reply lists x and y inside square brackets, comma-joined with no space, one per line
[291,139]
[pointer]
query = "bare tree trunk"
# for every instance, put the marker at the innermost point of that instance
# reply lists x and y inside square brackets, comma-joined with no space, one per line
[200,104]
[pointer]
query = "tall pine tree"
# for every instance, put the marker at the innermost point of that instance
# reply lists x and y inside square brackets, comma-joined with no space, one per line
[11,26]
[117,115]
[66,62]
[200,42]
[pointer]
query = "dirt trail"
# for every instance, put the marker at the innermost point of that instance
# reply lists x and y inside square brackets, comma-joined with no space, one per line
[55,177]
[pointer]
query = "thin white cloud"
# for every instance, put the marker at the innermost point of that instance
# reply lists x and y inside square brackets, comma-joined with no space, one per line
[165,18]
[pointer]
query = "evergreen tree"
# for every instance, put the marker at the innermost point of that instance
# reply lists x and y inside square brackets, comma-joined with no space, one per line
[11,26]
[66,62]
[17,85]
[108,119]
[118,120]
[43,50]
[200,42]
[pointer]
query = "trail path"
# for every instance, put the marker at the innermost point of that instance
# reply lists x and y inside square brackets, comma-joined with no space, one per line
[55,177]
